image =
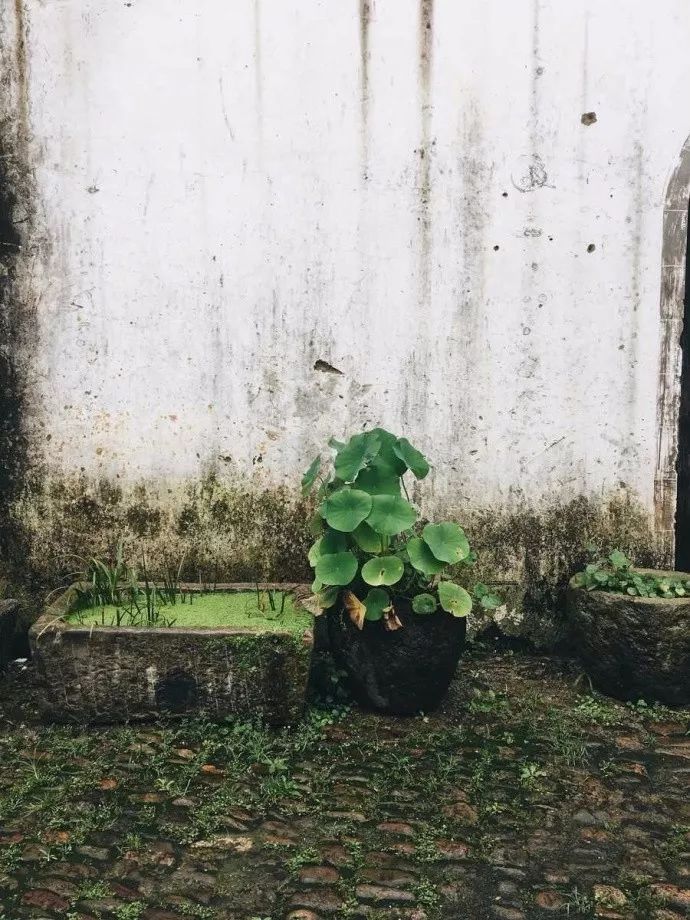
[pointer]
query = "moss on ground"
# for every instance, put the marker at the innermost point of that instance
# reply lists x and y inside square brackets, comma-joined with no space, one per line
[215,610]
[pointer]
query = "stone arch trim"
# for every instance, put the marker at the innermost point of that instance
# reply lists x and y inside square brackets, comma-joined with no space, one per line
[673,272]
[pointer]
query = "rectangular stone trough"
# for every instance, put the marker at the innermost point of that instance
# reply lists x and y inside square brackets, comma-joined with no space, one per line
[119,674]
[8,625]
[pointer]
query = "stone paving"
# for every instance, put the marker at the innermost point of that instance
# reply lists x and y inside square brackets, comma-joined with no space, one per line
[527,796]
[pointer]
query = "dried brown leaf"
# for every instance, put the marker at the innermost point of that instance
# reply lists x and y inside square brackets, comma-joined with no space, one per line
[390,619]
[108,783]
[312,605]
[355,609]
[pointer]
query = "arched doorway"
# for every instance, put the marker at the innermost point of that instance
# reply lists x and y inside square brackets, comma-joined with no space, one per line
[672,481]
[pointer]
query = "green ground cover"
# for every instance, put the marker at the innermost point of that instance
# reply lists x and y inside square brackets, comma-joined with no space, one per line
[524,798]
[212,610]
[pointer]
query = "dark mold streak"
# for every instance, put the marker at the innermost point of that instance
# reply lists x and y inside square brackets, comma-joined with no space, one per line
[16,319]
[537,72]
[426,38]
[637,228]
[22,72]
[11,436]
[364,25]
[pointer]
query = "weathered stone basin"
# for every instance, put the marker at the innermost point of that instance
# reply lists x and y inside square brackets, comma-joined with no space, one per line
[633,647]
[115,674]
[8,623]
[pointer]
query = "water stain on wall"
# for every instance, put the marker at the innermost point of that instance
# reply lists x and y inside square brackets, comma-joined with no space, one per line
[476,170]
[636,220]
[364,52]
[424,152]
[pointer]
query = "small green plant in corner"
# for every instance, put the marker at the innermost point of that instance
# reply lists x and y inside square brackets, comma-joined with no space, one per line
[617,574]
[370,544]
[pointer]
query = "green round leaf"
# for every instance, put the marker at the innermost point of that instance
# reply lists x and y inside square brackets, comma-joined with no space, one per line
[333,542]
[367,539]
[359,450]
[390,514]
[387,457]
[309,477]
[378,480]
[330,542]
[314,553]
[454,599]
[424,603]
[486,597]
[490,601]
[336,568]
[619,560]
[411,457]
[327,597]
[346,509]
[422,558]
[376,602]
[383,570]
[447,542]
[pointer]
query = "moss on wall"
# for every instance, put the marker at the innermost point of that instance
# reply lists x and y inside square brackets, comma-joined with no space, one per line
[13,445]
[218,531]
[18,251]
[233,531]
[530,555]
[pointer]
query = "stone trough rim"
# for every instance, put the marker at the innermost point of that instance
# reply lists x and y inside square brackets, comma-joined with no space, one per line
[660,601]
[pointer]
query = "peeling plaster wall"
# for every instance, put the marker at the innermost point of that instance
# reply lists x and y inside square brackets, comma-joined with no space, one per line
[238,193]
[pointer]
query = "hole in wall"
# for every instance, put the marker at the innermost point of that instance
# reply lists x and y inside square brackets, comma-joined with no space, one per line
[589,118]
[326,368]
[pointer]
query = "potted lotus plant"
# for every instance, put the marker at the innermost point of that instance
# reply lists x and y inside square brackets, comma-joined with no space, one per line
[396,619]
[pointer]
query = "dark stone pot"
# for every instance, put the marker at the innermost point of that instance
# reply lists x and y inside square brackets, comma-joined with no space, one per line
[402,672]
[633,647]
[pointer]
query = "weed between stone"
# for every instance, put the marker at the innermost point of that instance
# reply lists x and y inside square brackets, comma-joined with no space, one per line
[522,798]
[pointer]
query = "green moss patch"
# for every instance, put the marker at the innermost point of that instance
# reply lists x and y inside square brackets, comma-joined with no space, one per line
[213,610]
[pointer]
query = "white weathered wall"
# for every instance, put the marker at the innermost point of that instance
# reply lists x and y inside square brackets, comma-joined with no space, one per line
[235,189]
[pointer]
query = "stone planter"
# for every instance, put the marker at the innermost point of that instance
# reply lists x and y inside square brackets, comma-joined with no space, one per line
[8,625]
[117,674]
[402,672]
[633,647]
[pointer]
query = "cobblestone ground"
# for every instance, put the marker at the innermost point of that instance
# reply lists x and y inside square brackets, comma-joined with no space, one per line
[526,797]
